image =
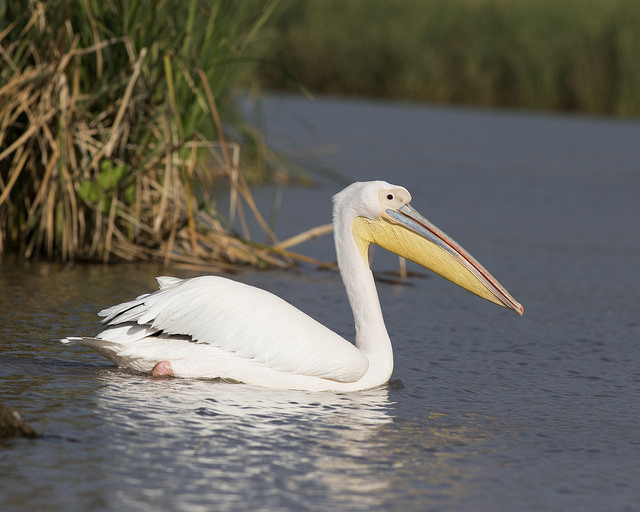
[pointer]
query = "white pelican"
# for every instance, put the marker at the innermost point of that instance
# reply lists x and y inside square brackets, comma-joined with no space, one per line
[212,327]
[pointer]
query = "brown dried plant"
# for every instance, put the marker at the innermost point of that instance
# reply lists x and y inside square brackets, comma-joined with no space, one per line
[100,163]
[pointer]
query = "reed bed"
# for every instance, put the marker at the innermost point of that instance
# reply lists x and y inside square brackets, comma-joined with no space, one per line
[570,55]
[113,131]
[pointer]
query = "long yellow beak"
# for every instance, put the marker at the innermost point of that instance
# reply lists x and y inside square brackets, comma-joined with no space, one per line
[408,234]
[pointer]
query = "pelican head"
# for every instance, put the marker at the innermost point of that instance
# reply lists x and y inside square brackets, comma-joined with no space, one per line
[380,213]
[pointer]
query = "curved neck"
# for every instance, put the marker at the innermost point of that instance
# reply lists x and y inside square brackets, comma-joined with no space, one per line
[371,333]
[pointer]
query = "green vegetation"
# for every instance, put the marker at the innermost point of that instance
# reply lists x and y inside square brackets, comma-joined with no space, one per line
[572,55]
[114,120]
[117,118]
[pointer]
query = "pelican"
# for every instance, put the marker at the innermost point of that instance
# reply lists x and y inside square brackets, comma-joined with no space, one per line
[213,327]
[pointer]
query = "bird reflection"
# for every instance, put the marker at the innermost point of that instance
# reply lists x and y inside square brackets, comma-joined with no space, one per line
[243,444]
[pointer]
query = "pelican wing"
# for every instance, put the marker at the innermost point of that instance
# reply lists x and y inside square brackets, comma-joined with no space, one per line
[249,322]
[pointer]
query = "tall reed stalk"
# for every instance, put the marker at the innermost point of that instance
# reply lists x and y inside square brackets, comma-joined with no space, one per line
[113,119]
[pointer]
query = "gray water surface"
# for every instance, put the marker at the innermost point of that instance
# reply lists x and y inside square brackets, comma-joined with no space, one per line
[486,411]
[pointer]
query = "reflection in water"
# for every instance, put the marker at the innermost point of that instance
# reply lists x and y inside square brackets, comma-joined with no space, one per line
[239,445]
[242,443]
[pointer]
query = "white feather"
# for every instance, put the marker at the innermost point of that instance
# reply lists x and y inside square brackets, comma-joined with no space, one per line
[244,321]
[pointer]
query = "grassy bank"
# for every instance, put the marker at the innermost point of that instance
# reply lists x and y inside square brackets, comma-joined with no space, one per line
[573,55]
[117,120]
[114,129]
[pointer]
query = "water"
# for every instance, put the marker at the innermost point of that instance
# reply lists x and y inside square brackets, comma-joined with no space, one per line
[486,411]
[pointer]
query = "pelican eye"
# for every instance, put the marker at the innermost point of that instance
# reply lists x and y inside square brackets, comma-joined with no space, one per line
[392,198]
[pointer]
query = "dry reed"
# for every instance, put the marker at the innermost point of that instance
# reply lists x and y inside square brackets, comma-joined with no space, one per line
[111,173]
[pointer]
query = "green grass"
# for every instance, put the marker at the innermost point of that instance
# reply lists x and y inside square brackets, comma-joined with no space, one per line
[115,123]
[118,119]
[570,55]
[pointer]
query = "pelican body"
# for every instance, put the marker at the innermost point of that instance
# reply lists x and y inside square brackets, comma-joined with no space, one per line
[213,327]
